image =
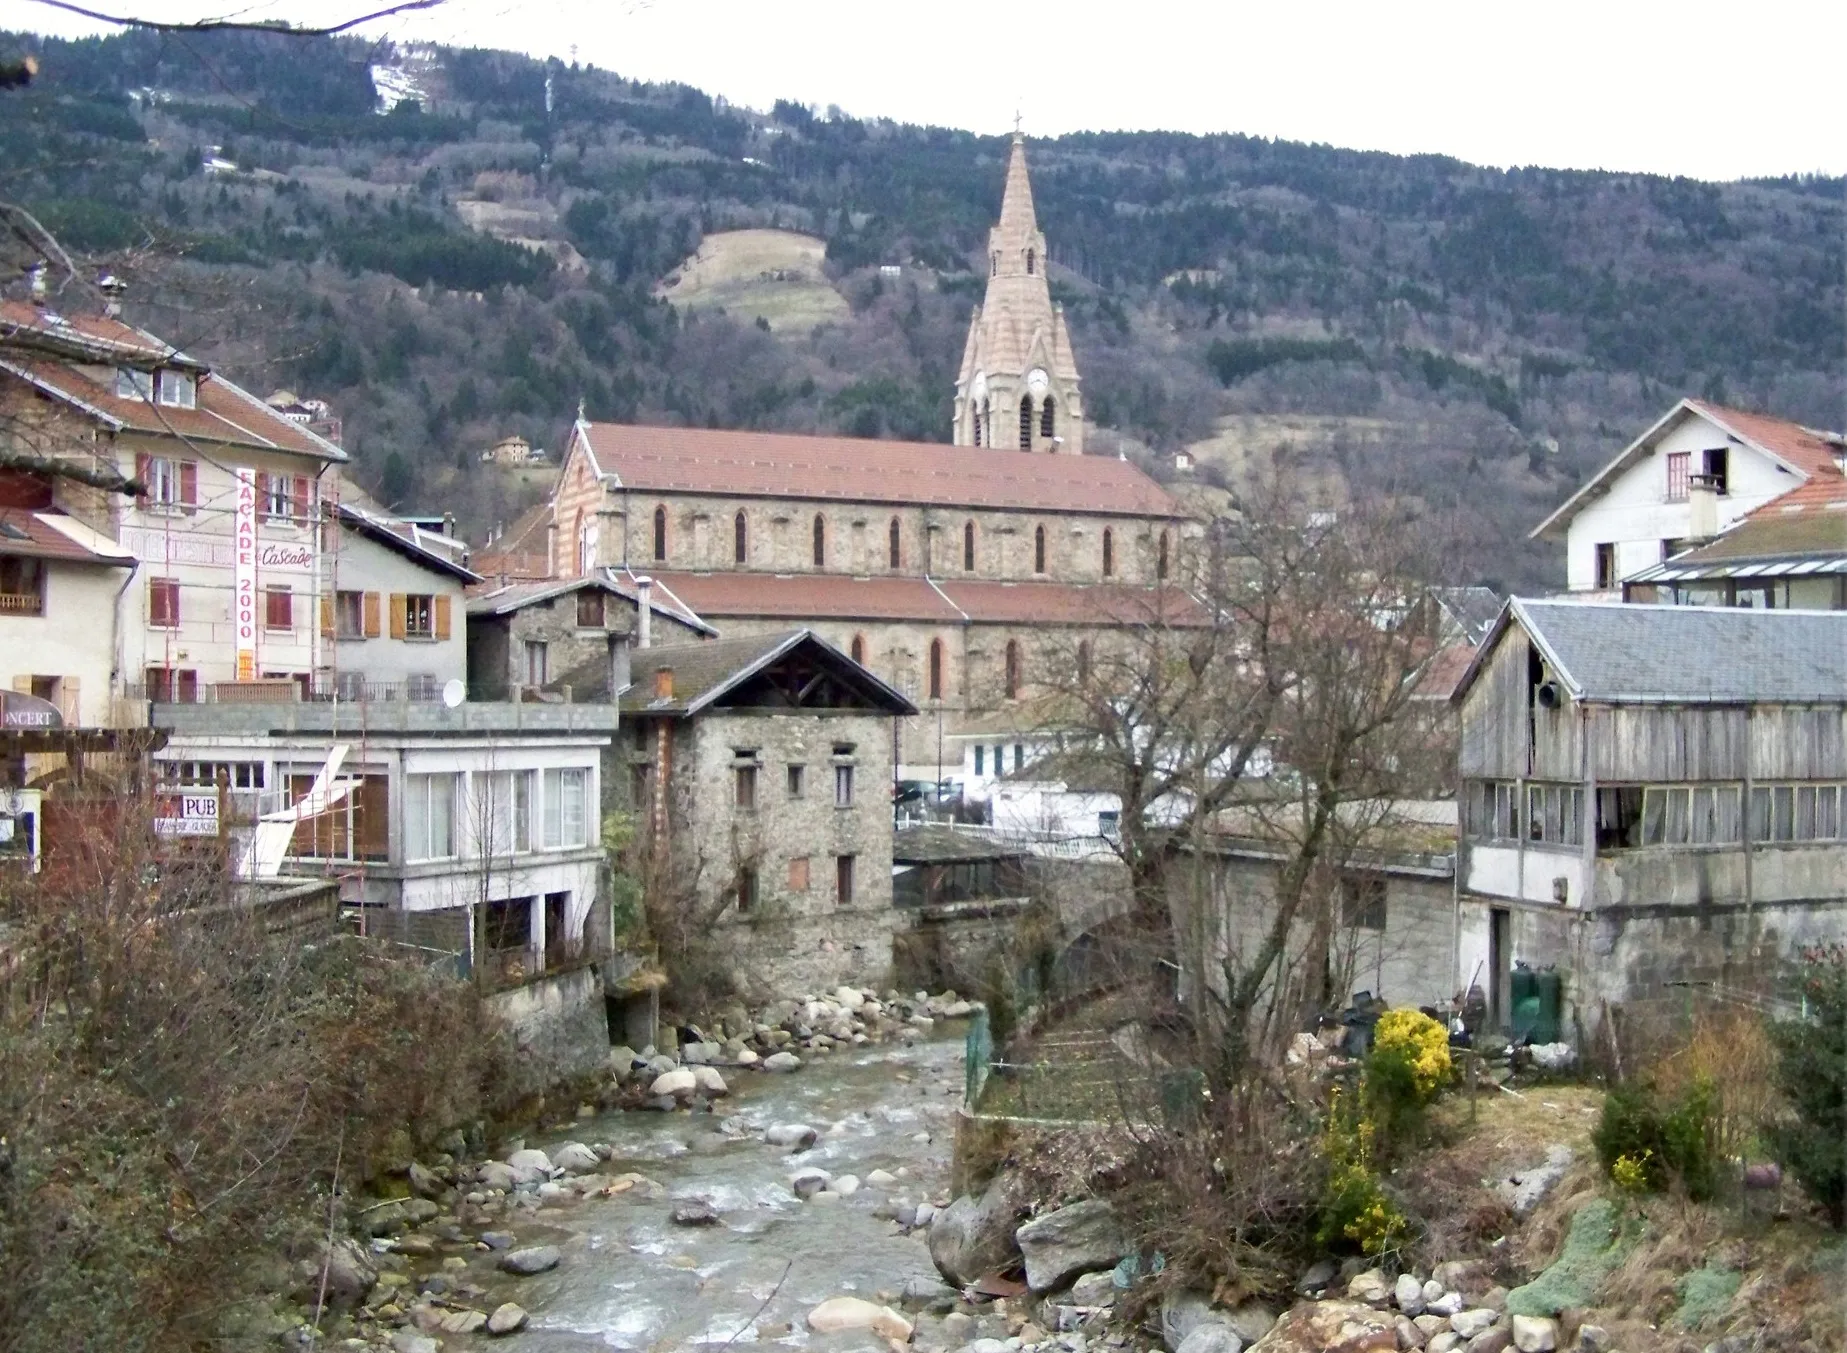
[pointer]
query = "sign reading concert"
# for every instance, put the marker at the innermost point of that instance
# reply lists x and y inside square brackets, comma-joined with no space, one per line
[244,577]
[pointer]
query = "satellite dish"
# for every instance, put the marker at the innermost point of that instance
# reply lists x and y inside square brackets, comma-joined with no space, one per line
[454,692]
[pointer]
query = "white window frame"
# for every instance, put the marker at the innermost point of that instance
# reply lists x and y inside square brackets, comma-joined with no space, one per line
[177,389]
[134,383]
[279,502]
[163,486]
[565,808]
[429,816]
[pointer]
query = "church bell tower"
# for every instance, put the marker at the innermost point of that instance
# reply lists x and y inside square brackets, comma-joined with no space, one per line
[1018,387]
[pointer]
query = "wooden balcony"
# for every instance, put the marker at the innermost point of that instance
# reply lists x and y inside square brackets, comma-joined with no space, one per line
[22,603]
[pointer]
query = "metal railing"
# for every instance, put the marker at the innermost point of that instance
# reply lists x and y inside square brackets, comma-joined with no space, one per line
[22,603]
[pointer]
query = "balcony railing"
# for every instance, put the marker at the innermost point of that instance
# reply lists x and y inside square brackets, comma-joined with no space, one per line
[22,603]
[287,691]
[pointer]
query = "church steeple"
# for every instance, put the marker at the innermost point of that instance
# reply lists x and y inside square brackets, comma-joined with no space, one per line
[1018,387]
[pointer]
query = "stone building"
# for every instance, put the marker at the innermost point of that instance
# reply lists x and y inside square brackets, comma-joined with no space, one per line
[540,638]
[958,573]
[760,770]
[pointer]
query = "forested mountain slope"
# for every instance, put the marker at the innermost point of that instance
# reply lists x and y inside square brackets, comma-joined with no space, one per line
[480,258]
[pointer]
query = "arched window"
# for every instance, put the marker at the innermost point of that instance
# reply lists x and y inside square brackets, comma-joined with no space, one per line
[1038,549]
[660,535]
[1109,553]
[975,416]
[1046,423]
[1013,669]
[1026,422]
[936,669]
[858,649]
[820,541]
[894,542]
[583,564]
[1083,660]
[1029,263]
[1160,559]
[968,547]
[740,538]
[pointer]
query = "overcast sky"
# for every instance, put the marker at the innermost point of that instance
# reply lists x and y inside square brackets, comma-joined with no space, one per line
[1712,90]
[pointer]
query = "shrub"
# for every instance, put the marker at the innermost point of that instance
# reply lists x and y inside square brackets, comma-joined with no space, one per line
[1408,1064]
[1812,1071]
[1646,1143]
[1355,1210]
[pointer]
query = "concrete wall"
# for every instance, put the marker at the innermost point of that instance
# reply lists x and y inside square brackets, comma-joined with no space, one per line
[364,565]
[1407,963]
[1636,516]
[71,641]
[559,1026]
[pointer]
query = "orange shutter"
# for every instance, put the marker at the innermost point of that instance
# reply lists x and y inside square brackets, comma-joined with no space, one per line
[303,487]
[371,615]
[326,617]
[442,616]
[189,483]
[397,615]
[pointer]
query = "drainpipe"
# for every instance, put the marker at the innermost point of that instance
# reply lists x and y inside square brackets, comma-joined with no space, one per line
[644,607]
[115,635]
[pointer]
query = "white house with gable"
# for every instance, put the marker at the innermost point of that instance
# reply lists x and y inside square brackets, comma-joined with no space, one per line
[1700,469]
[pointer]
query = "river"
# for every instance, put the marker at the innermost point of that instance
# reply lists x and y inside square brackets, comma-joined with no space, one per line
[633,1279]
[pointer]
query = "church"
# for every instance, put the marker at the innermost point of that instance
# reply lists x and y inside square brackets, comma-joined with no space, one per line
[954,572]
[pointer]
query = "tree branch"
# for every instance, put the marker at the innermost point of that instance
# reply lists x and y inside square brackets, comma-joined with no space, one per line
[108,478]
[240,25]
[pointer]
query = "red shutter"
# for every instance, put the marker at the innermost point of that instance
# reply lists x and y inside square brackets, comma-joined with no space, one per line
[263,492]
[303,487]
[144,466]
[189,483]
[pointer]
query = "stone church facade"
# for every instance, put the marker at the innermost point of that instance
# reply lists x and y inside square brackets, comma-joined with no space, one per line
[954,572]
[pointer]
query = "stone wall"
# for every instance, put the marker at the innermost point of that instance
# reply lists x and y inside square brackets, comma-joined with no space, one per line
[779,537]
[560,1028]
[796,934]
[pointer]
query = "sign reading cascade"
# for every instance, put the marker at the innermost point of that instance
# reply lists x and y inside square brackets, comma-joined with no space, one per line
[244,580]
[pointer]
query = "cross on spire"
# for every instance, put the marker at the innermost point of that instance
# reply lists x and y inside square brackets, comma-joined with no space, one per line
[1016,121]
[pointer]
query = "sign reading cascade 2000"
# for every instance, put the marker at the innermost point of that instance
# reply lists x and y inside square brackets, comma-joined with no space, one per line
[244,577]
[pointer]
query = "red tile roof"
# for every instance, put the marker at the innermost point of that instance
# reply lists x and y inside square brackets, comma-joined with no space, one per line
[1805,448]
[849,469]
[35,535]
[225,412]
[826,596]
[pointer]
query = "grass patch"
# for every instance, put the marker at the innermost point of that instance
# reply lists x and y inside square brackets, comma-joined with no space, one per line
[1595,1245]
[1705,1294]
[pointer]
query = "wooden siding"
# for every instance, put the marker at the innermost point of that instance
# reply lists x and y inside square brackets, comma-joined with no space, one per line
[1494,714]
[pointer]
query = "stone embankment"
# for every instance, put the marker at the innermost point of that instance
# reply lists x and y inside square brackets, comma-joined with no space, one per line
[447,1258]
[1078,1265]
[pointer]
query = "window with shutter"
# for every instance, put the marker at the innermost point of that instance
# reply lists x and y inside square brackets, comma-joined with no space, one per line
[189,484]
[278,608]
[371,608]
[399,610]
[442,617]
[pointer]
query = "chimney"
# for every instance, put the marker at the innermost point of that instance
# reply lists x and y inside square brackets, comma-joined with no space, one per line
[112,288]
[1702,508]
[663,683]
[618,666]
[644,611]
[35,283]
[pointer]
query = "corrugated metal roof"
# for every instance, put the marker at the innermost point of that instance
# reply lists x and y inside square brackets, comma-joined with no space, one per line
[1611,653]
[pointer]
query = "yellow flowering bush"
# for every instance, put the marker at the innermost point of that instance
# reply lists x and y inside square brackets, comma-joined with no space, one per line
[1355,1210]
[1417,1043]
[1409,1063]
[1630,1173]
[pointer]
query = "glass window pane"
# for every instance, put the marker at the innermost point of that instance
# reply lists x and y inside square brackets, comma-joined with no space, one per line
[522,810]
[1676,817]
[442,816]
[1783,813]
[1725,816]
[1654,817]
[1805,813]
[416,817]
[552,833]
[572,783]
[1827,813]
[1760,815]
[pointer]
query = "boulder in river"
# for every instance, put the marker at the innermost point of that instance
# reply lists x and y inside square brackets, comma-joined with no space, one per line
[1214,1336]
[838,1314]
[679,1081]
[576,1158]
[708,1082]
[795,1136]
[535,1259]
[410,1341]
[508,1318]
[806,1183]
[781,1061]
[530,1164]
[350,1274]
[1069,1241]
[974,1236]
[694,1212]
[496,1174]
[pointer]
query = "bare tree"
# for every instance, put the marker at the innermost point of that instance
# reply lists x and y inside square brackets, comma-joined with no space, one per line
[1273,693]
